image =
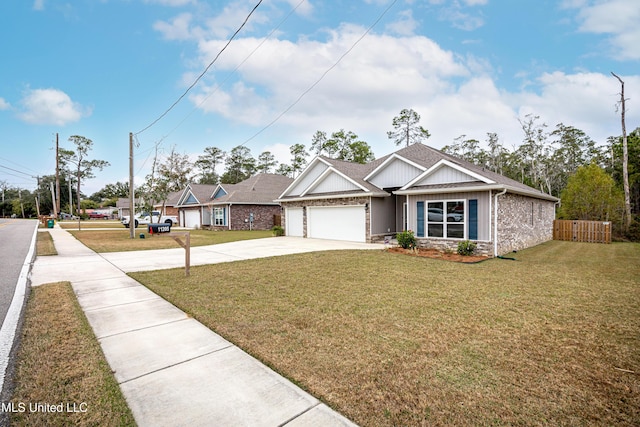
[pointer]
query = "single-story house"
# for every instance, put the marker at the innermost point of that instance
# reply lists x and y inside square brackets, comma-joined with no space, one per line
[243,206]
[170,205]
[442,199]
[122,205]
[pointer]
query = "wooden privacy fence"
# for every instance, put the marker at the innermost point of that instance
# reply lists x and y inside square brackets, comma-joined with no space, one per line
[582,231]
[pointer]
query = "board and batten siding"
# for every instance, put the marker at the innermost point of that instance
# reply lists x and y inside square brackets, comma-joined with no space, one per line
[446,175]
[333,183]
[308,179]
[396,174]
[484,209]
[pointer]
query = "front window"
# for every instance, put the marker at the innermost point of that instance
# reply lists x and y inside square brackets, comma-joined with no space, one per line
[219,217]
[446,219]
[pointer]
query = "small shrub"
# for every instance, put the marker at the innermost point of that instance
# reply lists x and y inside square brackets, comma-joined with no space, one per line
[466,248]
[277,231]
[406,239]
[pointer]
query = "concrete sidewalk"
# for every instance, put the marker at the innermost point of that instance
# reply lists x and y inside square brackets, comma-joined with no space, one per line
[173,370]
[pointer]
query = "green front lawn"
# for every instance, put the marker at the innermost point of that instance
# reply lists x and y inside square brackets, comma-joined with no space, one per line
[120,240]
[389,339]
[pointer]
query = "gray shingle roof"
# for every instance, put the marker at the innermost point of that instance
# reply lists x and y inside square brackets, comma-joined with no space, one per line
[260,189]
[426,157]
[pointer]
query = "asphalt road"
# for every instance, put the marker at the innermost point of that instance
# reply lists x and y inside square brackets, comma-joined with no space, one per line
[15,240]
[16,256]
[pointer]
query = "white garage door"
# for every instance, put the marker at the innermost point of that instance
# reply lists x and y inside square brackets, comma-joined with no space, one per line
[293,222]
[192,218]
[337,223]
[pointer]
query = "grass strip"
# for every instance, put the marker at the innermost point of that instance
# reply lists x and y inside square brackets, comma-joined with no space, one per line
[389,339]
[120,240]
[62,377]
[44,244]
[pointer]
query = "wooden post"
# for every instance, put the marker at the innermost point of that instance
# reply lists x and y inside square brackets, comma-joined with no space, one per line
[132,223]
[186,244]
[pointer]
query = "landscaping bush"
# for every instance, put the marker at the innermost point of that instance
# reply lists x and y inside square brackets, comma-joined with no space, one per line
[277,231]
[466,248]
[406,239]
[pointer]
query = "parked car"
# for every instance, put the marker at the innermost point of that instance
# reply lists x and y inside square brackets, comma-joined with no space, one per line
[67,216]
[436,215]
[98,215]
[154,217]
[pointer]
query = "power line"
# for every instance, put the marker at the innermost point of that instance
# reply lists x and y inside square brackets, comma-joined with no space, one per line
[18,164]
[286,110]
[205,70]
[15,170]
[262,42]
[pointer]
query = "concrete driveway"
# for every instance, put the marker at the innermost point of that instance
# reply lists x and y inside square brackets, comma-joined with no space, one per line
[226,252]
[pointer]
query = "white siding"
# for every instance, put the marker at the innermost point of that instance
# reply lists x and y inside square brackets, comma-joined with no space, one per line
[310,176]
[446,175]
[332,183]
[395,174]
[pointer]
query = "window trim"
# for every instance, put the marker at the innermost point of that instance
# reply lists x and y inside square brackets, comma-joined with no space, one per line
[216,210]
[464,222]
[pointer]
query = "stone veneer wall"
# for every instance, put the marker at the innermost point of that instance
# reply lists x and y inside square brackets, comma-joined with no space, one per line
[344,201]
[262,217]
[449,245]
[523,222]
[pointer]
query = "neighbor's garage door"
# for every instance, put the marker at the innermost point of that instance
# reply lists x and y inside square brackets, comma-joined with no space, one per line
[192,218]
[337,223]
[293,222]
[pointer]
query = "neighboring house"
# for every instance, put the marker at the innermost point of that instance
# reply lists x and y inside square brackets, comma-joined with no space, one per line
[443,199]
[122,205]
[246,205]
[170,205]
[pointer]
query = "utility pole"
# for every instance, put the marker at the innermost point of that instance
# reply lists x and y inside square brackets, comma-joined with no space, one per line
[56,204]
[21,205]
[132,223]
[53,198]
[70,198]
[38,198]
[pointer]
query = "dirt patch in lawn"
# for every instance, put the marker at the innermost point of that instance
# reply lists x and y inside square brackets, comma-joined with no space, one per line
[436,254]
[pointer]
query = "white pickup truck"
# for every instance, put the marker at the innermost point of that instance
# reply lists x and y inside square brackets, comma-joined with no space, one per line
[150,218]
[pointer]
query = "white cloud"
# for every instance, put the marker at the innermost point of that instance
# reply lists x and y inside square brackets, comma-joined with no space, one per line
[179,28]
[454,93]
[619,19]
[4,105]
[50,106]
[38,5]
[584,100]
[379,67]
[405,25]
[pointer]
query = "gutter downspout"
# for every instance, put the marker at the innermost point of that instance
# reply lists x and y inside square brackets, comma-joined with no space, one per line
[495,223]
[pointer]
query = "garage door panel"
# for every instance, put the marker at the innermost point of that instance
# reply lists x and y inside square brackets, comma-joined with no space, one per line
[337,223]
[294,222]
[192,218]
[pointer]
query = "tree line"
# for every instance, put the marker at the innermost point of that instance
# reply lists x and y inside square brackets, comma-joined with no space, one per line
[546,159]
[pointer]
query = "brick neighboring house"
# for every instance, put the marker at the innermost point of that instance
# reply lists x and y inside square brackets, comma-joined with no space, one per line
[443,199]
[246,205]
[170,205]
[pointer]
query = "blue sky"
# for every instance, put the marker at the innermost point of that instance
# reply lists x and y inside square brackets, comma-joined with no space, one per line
[104,68]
